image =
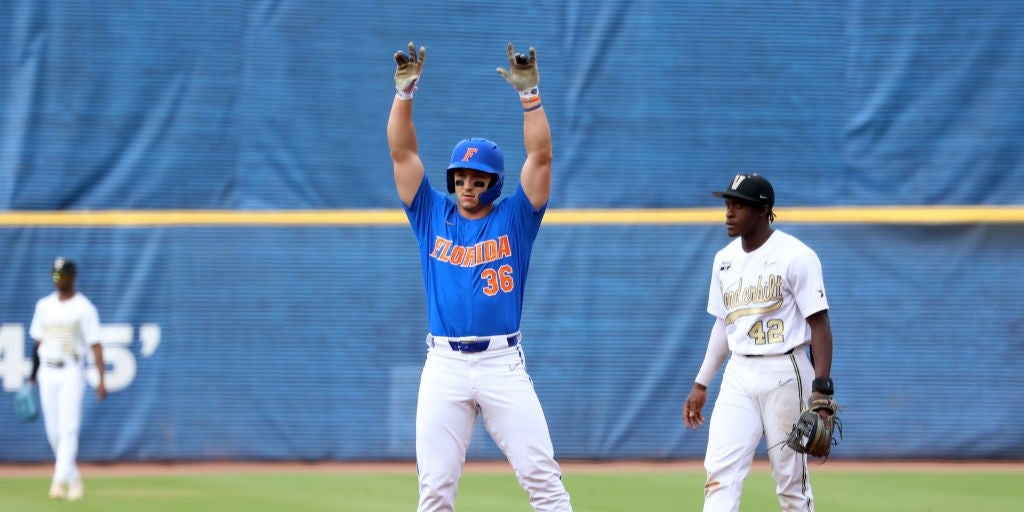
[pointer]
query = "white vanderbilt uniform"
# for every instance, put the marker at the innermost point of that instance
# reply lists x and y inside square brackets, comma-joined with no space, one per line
[66,331]
[763,298]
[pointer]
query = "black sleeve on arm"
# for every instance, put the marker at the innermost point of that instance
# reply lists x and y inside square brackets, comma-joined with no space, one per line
[35,361]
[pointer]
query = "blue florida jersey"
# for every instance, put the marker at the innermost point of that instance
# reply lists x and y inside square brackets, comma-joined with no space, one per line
[474,270]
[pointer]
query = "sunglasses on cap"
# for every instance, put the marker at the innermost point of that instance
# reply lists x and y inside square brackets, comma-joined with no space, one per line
[56,274]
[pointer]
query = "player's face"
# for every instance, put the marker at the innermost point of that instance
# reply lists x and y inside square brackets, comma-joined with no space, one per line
[63,281]
[469,184]
[741,218]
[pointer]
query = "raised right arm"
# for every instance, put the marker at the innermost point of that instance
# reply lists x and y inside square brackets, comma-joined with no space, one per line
[401,132]
[404,153]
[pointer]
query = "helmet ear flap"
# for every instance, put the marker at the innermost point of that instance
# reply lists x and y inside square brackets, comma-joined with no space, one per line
[493,191]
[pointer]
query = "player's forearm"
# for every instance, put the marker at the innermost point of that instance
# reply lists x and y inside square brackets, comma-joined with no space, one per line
[536,176]
[537,137]
[822,350]
[718,350]
[35,362]
[101,367]
[401,132]
[821,343]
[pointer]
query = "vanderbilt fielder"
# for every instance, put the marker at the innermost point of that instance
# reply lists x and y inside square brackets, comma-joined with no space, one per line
[65,325]
[767,295]
[475,253]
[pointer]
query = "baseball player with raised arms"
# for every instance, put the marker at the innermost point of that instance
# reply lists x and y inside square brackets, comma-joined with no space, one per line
[65,326]
[768,298]
[475,253]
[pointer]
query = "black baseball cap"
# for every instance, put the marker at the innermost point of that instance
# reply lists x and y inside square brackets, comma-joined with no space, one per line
[752,188]
[62,264]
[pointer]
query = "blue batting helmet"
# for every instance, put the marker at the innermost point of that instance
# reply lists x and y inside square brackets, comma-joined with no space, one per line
[479,155]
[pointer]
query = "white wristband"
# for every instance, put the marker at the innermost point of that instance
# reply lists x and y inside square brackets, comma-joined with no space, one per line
[530,99]
[529,94]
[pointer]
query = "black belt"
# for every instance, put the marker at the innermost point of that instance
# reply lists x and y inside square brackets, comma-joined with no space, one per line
[790,351]
[469,347]
[55,364]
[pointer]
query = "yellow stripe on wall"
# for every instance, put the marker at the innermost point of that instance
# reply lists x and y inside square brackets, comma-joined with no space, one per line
[820,215]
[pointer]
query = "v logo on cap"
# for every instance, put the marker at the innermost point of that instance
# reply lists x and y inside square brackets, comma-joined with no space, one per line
[737,180]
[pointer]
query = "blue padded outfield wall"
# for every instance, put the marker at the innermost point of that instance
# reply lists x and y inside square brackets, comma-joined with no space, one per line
[221,174]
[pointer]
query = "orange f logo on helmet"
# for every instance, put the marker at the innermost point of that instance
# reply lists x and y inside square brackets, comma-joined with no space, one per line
[469,154]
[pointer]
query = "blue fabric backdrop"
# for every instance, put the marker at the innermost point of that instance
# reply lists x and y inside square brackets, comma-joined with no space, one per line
[305,342]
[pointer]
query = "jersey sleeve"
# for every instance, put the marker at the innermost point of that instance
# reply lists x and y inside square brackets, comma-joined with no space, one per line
[716,307]
[423,203]
[524,210]
[90,325]
[808,284]
[35,330]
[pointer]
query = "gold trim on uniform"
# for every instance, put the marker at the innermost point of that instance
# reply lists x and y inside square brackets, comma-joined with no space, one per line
[752,311]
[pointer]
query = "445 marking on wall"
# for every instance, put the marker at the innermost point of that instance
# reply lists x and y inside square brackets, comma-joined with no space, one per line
[16,365]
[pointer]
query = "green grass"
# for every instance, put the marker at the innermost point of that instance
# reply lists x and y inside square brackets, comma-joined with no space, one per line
[835,491]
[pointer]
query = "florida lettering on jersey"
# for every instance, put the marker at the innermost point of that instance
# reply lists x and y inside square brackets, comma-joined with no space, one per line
[488,251]
[474,271]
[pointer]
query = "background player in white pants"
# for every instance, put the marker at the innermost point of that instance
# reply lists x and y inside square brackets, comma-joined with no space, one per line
[768,298]
[65,326]
[475,254]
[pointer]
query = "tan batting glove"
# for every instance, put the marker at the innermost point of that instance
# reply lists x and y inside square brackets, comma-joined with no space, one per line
[407,72]
[522,74]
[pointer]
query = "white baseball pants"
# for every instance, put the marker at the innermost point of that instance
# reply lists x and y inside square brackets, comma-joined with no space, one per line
[454,386]
[60,397]
[760,396]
